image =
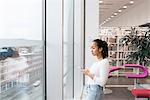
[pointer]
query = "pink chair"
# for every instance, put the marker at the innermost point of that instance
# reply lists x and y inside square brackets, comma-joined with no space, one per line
[141,93]
[141,75]
[112,69]
[135,76]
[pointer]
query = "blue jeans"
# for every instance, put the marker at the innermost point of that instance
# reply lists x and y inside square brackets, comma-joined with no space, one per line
[94,92]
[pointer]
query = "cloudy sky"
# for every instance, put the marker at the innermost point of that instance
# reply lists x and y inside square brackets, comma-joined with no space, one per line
[21,19]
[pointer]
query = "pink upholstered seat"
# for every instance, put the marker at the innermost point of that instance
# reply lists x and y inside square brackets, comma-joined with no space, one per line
[141,93]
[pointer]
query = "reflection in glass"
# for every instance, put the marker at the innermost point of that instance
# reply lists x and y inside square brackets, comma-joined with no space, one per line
[21,50]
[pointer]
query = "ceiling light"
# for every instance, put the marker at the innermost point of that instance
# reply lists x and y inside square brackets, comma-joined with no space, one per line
[115,14]
[124,7]
[101,24]
[100,1]
[119,10]
[112,16]
[109,18]
[131,2]
[106,20]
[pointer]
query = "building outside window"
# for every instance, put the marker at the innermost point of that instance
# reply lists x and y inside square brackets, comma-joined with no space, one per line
[21,50]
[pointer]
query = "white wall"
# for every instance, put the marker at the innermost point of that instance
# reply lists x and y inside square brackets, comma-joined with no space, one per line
[54,50]
[135,15]
[92,26]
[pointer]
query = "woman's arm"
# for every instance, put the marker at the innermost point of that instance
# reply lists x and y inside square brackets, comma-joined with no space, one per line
[87,72]
[103,72]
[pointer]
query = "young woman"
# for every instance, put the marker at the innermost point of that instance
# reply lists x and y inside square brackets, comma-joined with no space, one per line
[98,73]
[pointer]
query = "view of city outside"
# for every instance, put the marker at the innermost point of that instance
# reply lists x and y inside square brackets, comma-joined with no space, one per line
[21,73]
[21,50]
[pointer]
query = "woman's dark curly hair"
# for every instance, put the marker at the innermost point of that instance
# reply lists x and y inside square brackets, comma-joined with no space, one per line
[103,45]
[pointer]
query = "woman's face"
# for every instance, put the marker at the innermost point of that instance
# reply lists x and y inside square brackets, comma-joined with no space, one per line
[95,50]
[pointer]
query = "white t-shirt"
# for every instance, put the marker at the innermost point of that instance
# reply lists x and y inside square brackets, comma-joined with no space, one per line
[100,70]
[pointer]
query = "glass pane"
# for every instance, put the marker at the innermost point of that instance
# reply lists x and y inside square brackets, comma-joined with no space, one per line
[21,50]
[68,50]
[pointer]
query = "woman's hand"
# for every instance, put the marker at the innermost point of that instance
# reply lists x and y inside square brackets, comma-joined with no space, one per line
[87,72]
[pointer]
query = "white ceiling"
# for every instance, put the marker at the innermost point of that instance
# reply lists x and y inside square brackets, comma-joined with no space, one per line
[108,7]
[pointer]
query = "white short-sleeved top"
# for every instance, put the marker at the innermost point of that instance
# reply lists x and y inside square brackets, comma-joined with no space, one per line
[100,70]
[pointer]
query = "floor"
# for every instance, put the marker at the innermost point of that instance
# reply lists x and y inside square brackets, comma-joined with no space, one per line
[122,93]
[119,94]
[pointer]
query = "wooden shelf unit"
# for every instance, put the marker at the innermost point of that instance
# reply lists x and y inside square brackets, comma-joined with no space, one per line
[117,52]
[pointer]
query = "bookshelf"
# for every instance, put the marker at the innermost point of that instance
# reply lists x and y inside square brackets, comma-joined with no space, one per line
[117,52]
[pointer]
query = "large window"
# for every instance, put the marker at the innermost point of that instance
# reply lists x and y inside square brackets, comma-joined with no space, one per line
[68,50]
[21,50]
